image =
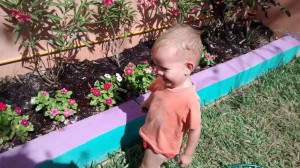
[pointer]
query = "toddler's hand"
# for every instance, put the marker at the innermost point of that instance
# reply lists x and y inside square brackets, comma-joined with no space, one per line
[185,160]
[143,108]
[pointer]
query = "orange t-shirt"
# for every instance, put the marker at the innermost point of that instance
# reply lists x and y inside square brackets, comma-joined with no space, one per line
[171,113]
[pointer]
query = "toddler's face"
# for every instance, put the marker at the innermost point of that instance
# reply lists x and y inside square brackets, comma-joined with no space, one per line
[170,67]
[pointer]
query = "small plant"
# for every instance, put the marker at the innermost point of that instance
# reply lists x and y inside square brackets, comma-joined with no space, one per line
[104,94]
[13,124]
[138,77]
[58,108]
[207,59]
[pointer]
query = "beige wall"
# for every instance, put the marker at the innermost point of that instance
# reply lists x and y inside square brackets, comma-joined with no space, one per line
[9,51]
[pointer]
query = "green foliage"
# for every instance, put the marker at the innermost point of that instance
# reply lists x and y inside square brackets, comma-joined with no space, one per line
[57,108]
[13,124]
[105,91]
[138,77]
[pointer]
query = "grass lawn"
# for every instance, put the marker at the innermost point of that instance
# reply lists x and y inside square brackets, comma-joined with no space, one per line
[258,124]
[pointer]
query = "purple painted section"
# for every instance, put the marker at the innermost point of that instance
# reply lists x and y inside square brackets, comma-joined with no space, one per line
[242,63]
[58,142]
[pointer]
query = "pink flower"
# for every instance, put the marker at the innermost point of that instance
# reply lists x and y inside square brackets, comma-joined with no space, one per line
[173,1]
[71,101]
[2,106]
[24,122]
[143,4]
[14,12]
[207,56]
[144,62]
[67,112]
[154,70]
[44,92]
[108,101]
[54,112]
[107,86]
[128,70]
[18,110]
[96,92]
[108,3]
[175,11]
[193,9]
[63,90]
[153,3]
[147,70]
[22,17]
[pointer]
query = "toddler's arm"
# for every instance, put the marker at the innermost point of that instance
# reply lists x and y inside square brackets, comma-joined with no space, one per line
[192,142]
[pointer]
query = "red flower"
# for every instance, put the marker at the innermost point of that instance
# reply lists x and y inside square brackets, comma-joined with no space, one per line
[128,70]
[15,12]
[175,11]
[2,106]
[96,92]
[107,86]
[18,110]
[154,70]
[108,101]
[193,9]
[108,3]
[173,1]
[24,122]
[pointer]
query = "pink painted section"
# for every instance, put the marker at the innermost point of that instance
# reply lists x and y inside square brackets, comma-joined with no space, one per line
[242,63]
[58,142]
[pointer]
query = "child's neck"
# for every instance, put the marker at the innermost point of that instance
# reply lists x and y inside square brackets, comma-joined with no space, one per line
[187,83]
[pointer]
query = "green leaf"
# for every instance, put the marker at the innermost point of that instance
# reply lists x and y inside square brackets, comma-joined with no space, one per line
[54,17]
[39,107]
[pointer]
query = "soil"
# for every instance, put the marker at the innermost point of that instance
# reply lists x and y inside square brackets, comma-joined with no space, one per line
[18,90]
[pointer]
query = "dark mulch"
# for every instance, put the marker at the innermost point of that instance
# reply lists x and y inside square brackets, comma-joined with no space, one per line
[18,90]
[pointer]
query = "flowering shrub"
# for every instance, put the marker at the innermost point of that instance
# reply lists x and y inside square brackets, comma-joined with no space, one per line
[58,108]
[207,59]
[138,77]
[104,94]
[13,123]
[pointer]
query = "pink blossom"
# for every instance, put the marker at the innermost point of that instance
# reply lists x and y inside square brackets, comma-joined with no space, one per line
[67,112]
[96,92]
[44,92]
[143,4]
[54,112]
[24,122]
[18,110]
[147,70]
[71,101]
[108,3]
[193,9]
[107,86]
[154,70]
[63,90]
[175,11]
[144,62]
[14,12]
[207,56]
[173,1]
[2,106]
[153,3]
[128,70]
[108,101]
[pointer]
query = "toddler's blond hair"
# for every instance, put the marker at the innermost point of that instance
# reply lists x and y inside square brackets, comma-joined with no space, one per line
[185,39]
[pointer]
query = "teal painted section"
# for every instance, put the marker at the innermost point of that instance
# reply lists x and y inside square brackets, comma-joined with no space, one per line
[98,148]
[215,91]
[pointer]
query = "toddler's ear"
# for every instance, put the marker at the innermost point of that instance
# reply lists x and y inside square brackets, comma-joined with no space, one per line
[189,67]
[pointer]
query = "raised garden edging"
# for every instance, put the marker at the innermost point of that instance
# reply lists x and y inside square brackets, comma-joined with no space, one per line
[93,138]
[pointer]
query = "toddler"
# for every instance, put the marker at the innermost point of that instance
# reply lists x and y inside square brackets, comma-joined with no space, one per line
[173,105]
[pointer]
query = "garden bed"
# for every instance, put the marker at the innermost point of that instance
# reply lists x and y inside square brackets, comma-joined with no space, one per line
[82,74]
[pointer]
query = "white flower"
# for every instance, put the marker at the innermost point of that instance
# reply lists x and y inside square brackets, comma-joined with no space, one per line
[107,76]
[118,75]
[148,70]
[119,78]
